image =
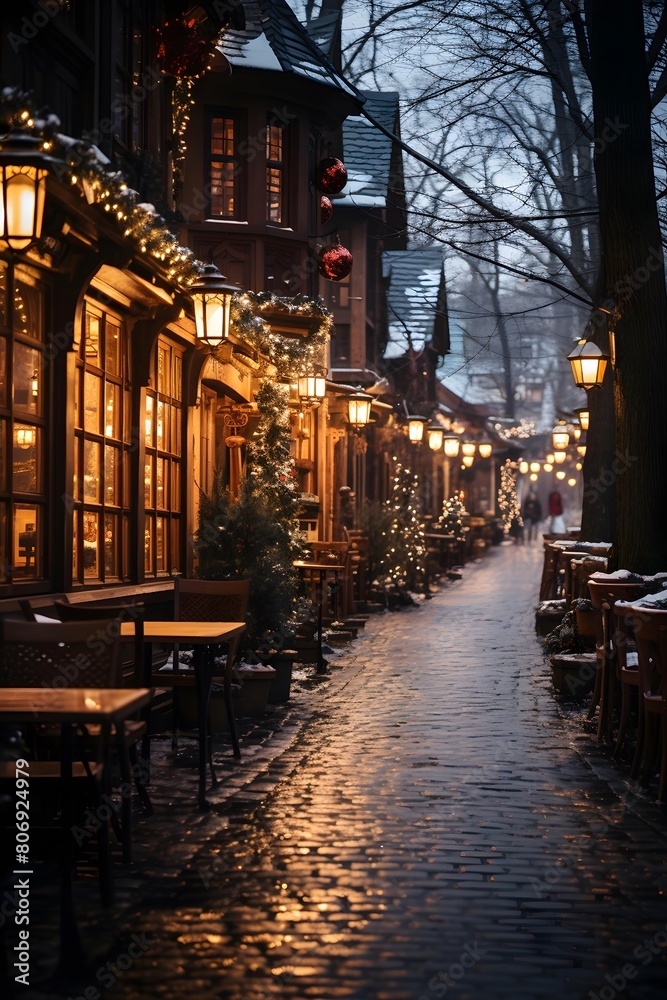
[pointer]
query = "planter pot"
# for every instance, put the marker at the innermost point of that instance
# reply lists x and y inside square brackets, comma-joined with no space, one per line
[587,622]
[255,684]
[218,721]
[282,663]
[549,614]
[573,674]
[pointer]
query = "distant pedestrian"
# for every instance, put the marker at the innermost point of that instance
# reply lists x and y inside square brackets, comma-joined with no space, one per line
[531,512]
[556,514]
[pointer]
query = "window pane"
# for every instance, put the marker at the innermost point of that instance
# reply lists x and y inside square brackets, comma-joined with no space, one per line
[26,451]
[177,389]
[148,423]
[92,471]
[274,194]
[127,419]
[222,136]
[76,481]
[148,545]
[3,371]
[110,545]
[27,379]
[112,410]
[175,544]
[4,561]
[27,308]
[111,492]
[126,479]
[78,378]
[162,425]
[222,189]
[3,293]
[75,547]
[92,419]
[27,542]
[161,544]
[161,481]
[149,482]
[92,340]
[91,536]
[4,455]
[163,371]
[112,347]
[274,143]
[176,430]
[175,485]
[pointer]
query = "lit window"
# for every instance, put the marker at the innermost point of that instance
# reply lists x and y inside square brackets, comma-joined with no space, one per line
[275,173]
[224,172]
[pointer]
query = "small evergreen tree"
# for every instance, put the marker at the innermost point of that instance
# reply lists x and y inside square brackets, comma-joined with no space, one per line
[403,562]
[256,536]
[450,521]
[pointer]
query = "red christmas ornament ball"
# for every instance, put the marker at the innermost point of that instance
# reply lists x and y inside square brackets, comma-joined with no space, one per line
[183,50]
[331,175]
[326,210]
[335,263]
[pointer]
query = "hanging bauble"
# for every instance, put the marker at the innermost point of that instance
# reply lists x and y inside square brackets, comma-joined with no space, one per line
[184,47]
[331,175]
[326,210]
[335,262]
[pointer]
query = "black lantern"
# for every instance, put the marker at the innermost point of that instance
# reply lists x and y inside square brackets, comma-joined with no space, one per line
[212,297]
[24,165]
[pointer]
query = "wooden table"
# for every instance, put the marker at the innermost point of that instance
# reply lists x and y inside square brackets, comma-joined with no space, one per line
[69,707]
[319,570]
[203,636]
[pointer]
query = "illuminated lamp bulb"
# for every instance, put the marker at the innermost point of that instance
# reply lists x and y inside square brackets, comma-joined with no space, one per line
[560,474]
[559,457]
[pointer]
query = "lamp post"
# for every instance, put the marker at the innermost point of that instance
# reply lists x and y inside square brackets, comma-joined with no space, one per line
[24,166]
[560,436]
[212,298]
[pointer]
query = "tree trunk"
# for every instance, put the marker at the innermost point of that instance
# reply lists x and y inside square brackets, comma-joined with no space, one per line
[634,278]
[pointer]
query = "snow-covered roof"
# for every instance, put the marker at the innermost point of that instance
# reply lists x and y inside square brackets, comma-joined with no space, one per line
[416,302]
[367,153]
[273,39]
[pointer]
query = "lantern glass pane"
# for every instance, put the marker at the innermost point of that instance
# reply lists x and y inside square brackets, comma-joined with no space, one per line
[435,439]
[468,448]
[485,450]
[22,205]
[415,430]
[584,419]
[451,447]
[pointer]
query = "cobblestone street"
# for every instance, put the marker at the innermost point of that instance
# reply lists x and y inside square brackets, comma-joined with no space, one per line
[438,829]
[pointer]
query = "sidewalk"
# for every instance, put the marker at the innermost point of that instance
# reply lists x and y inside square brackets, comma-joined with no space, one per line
[438,829]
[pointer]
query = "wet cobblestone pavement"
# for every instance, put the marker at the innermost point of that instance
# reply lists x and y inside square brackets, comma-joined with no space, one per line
[438,828]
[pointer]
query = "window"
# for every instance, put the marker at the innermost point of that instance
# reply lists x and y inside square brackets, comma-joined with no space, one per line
[224,166]
[23,444]
[129,94]
[162,463]
[102,450]
[275,173]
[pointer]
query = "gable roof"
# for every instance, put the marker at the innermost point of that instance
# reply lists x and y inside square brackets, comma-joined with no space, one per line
[416,300]
[367,152]
[274,39]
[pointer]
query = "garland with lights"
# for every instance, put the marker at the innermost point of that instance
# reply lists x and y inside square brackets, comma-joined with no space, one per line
[508,503]
[291,356]
[82,166]
[403,561]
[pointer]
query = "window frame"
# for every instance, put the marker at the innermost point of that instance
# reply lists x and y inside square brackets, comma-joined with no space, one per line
[238,117]
[282,166]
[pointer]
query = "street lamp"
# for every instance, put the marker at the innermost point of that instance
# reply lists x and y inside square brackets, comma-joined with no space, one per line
[452,445]
[559,457]
[312,388]
[467,461]
[25,437]
[560,437]
[560,474]
[468,449]
[523,468]
[548,467]
[436,436]
[572,482]
[359,409]
[212,297]
[24,165]
[588,364]
[416,427]
[550,458]
[581,448]
[485,449]
[533,477]
[534,466]
[584,417]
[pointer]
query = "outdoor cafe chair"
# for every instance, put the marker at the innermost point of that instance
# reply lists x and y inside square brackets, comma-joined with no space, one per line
[59,655]
[650,630]
[209,601]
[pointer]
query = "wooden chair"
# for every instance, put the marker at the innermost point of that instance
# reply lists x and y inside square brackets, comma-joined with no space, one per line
[627,675]
[650,630]
[134,730]
[210,601]
[36,655]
